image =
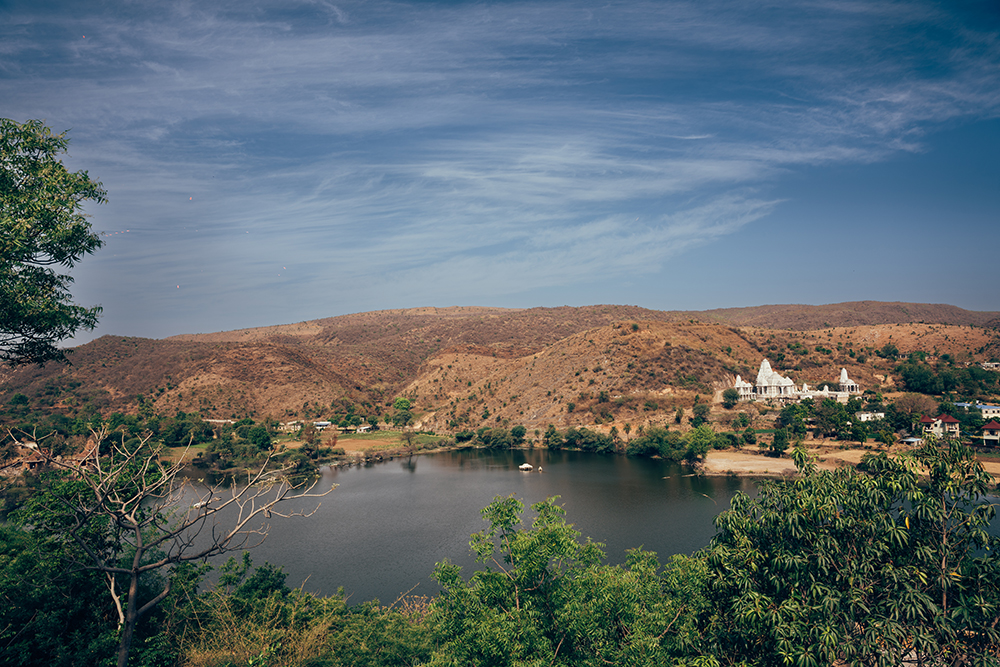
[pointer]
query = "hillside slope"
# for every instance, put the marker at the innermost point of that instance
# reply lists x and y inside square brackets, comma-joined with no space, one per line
[849,314]
[467,367]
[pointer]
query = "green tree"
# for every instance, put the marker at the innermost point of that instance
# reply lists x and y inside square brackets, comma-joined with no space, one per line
[552,439]
[42,225]
[495,438]
[259,437]
[859,431]
[700,414]
[861,567]
[699,440]
[779,443]
[730,397]
[410,441]
[402,412]
[309,434]
[660,442]
[830,418]
[52,615]
[888,351]
[402,418]
[794,415]
[545,598]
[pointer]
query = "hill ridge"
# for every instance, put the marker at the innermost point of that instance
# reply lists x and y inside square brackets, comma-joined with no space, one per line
[660,357]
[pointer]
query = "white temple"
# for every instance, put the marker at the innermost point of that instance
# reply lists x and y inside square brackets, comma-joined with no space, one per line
[847,384]
[772,385]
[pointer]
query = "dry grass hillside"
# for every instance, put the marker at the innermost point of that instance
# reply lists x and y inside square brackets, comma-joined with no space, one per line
[466,367]
[849,314]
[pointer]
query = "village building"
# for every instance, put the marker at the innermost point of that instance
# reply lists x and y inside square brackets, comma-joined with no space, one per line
[991,434]
[744,389]
[942,425]
[824,393]
[30,457]
[988,411]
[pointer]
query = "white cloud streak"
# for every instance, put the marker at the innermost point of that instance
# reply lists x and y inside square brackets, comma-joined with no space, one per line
[466,151]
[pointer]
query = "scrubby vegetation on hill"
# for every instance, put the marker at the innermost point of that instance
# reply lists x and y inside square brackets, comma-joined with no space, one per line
[603,368]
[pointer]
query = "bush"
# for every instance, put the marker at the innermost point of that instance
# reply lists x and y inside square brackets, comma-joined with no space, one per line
[870,566]
[730,397]
[660,442]
[549,600]
[588,441]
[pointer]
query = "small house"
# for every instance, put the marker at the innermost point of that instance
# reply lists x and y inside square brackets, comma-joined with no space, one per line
[991,434]
[942,425]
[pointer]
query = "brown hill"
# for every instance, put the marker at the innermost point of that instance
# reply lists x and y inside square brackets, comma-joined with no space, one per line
[468,367]
[854,313]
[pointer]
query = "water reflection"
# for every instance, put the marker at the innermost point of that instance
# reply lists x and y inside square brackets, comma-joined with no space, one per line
[381,531]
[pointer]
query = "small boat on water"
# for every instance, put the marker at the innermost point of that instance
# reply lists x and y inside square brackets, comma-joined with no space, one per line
[526,467]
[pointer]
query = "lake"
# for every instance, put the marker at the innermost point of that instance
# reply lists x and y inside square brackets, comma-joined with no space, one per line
[380,532]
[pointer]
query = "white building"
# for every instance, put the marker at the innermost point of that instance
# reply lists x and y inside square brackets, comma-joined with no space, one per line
[744,388]
[988,411]
[847,384]
[771,385]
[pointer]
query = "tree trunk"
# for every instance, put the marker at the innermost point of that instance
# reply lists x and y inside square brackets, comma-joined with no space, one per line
[131,616]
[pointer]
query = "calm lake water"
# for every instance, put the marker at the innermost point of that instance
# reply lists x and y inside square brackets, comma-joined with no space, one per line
[380,532]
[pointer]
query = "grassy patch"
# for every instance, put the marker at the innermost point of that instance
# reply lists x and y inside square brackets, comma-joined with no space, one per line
[173,454]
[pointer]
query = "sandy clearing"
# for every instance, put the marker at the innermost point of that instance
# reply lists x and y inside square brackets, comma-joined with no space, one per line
[729,462]
[743,463]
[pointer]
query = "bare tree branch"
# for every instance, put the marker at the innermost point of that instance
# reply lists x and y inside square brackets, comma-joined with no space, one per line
[128,514]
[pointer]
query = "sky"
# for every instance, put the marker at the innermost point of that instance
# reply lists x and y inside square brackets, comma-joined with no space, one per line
[274,162]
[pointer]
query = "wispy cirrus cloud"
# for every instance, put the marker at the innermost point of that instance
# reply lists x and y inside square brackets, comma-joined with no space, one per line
[467,152]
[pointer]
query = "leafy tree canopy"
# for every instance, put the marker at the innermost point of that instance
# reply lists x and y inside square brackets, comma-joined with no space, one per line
[41,226]
[730,397]
[545,598]
[870,567]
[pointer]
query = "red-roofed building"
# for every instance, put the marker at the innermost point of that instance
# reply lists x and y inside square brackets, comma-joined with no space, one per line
[942,425]
[991,434]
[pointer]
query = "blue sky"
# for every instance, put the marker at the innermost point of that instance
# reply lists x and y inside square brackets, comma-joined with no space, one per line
[281,161]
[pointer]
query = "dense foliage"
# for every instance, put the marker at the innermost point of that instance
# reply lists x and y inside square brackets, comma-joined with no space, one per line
[675,446]
[545,598]
[881,565]
[863,567]
[41,225]
[945,377]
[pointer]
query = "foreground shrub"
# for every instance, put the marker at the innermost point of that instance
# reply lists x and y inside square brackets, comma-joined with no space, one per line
[255,619]
[860,567]
[545,598]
